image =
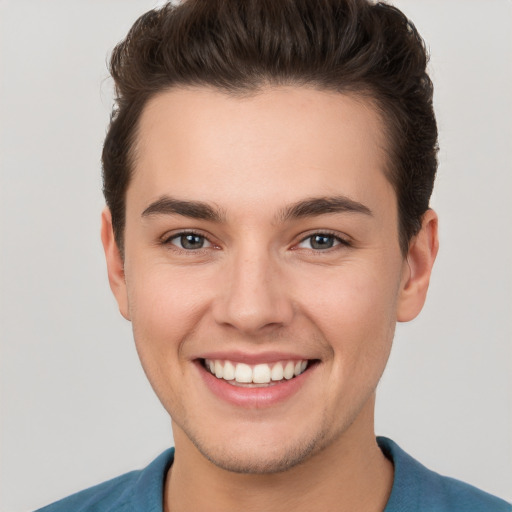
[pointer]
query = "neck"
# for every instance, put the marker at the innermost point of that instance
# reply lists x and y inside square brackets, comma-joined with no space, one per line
[350,474]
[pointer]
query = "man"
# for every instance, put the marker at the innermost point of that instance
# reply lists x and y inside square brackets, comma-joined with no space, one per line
[267,173]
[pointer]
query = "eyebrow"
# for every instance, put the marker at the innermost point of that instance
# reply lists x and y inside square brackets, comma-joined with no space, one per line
[311,207]
[194,209]
[322,206]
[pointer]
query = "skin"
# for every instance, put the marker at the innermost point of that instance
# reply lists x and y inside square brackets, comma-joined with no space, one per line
[258,285]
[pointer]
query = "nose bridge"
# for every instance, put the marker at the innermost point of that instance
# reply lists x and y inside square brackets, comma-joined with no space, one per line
[254,295]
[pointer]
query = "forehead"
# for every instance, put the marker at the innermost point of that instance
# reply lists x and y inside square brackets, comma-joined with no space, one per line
[281,143]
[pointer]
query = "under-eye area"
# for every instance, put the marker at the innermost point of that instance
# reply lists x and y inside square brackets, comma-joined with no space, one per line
[257,375]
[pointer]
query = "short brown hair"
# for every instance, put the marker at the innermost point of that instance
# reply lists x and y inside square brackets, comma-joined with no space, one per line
[239,46]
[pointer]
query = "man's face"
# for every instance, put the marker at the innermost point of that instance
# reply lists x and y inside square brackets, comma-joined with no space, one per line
[261,232]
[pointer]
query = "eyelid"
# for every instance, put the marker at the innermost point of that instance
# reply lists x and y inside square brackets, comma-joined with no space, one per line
[343,241]
[168,237]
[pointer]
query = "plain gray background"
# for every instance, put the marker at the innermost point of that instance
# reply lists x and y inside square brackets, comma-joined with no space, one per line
[75,406]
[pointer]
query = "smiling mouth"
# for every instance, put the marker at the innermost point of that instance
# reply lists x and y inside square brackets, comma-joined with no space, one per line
[258,375]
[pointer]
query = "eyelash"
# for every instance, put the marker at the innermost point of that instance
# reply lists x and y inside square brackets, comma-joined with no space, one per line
[339,241]
[328,234]
[168,240]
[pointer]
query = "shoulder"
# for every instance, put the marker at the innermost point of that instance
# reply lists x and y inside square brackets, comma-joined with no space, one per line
[416,488]
[132,492]
[110,495]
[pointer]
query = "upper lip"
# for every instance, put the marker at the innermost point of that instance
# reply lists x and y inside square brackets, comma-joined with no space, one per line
[253,358]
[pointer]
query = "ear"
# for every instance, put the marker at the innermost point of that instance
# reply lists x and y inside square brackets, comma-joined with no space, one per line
[417,268]
[115,264]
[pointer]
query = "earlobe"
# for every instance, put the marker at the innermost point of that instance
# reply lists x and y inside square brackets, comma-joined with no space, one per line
[115,264]
[418,268]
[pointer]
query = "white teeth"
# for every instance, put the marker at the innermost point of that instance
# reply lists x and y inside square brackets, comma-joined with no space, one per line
[258,374]
[229,371]
[289,370]
[277,372]
[243,373]
[219,370]
[261,374]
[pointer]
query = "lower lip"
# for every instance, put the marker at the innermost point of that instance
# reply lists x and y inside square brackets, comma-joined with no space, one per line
[253,397]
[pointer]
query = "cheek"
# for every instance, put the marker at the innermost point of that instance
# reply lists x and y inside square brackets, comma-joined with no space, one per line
[165,311]
[355,309]
[164,308]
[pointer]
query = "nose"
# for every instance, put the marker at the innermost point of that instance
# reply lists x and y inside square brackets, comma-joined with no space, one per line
[253,296]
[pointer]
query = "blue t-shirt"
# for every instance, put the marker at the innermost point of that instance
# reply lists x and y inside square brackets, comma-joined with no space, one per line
[415,489]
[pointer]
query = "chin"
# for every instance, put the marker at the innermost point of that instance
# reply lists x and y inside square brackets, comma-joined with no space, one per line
[261,460]
[257,453]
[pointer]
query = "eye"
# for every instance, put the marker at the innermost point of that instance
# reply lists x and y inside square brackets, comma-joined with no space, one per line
[189,241]
[321,241]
